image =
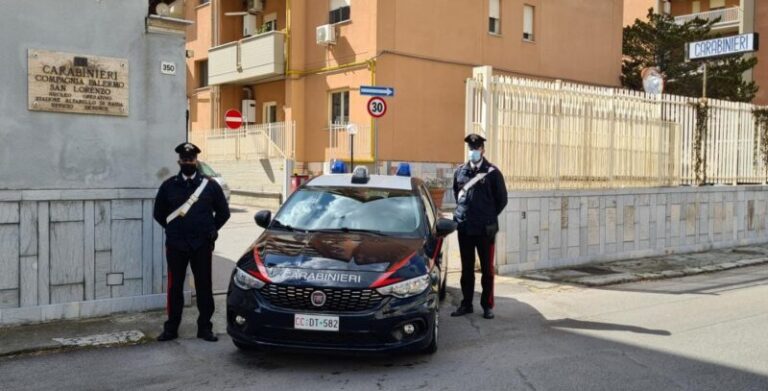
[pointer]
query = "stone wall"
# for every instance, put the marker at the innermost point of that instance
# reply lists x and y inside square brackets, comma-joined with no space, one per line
[564,228]
[79,253]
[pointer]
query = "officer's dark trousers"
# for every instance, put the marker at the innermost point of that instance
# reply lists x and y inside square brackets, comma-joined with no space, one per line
[485,246]
[200,262]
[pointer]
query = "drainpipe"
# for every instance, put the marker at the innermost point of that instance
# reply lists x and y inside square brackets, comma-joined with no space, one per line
[287,36]
[374,122]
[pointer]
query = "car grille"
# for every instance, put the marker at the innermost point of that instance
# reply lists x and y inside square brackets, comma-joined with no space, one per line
[337,300]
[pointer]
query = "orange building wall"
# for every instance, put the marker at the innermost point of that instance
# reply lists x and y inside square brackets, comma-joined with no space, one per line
[198,41]
[761,70]
[684,7]
[425,119]
[637,9]
[356,38]
[574,40]
[231,27]
[426,59]
[316,102]
[428,62]
[270,92]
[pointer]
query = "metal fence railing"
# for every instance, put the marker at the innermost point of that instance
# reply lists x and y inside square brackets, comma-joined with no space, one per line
[339,142]
[560,135]
[252,142]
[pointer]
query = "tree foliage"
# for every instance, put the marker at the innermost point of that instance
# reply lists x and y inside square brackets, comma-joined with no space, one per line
[660,42]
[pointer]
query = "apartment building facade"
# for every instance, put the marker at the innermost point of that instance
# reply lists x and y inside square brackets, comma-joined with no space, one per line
[736,17]
[271,54]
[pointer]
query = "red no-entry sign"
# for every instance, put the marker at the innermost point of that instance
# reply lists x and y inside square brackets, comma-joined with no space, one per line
[233,118]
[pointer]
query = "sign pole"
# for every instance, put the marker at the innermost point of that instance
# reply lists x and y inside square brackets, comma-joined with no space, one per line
[352,152]
[704,82]
[376,145]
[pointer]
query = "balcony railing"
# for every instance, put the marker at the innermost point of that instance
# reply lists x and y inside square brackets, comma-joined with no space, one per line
[249,60]
[729,17]
[253,142]
[339,146]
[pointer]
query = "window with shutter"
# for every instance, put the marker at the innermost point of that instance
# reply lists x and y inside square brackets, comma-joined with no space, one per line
[340,11]
[695,7]
[715,4]
[494,17]
[528,12]
[339,107]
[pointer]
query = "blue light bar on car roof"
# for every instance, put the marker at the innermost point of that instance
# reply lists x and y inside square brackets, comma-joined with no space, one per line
[338,167]
[403,169]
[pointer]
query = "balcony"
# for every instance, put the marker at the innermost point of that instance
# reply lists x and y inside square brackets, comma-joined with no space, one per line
[730,18]
[247,61]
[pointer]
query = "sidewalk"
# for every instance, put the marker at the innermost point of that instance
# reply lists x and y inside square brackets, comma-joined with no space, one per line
[669,266]
[120,329]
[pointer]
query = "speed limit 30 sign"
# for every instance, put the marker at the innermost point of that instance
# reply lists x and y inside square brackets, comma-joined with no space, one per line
[377,107]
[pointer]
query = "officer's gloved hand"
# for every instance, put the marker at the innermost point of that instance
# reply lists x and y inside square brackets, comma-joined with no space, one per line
[491,229]
[214,236]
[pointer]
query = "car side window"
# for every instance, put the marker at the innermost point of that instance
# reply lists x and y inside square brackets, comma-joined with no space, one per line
[430,209]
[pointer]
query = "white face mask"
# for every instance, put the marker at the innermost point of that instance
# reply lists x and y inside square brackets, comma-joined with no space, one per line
[474,155]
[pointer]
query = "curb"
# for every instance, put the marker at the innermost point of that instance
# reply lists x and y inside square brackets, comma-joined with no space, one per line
[621,277]
[118,339]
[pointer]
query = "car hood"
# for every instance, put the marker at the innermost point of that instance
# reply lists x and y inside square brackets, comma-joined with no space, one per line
[335,251]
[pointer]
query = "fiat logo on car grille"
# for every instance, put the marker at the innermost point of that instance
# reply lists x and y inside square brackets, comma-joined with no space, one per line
[318,298]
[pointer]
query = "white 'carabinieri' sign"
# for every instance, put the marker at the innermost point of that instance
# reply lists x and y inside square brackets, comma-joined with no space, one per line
[735,44]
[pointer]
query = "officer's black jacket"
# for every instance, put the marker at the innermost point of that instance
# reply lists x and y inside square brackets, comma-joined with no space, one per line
[201,224]
[479,208]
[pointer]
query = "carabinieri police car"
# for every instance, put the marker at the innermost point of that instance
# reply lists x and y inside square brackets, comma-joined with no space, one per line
[351,262]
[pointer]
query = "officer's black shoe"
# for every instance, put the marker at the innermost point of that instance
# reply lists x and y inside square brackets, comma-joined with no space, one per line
[167,336]
[462,310]
[207,336]
[488,313]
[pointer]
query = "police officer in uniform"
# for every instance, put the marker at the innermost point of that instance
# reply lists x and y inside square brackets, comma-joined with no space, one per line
[481,195]
[192,208]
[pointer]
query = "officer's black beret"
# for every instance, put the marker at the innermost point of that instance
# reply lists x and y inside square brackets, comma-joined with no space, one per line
[187,150]
[474,140]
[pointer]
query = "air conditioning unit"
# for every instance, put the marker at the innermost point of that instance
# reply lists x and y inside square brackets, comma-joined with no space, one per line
[325,35]
[249,110]
[255,6]
[249,25]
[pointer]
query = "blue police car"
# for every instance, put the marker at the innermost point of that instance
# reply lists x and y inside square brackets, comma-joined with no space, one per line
[351,262]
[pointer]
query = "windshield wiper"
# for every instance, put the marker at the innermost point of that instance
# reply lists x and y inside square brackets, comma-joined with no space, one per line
[278,225]
[353,230]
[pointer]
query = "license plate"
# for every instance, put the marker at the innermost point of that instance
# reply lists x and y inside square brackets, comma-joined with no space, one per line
[316,322]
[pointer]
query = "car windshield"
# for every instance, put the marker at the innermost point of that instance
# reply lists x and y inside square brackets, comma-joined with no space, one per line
[385,211]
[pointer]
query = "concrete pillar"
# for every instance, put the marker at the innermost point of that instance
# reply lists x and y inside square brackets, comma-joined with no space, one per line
[484,75]
[746,26]
[287,174]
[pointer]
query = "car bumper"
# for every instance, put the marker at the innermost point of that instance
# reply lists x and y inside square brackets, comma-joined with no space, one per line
[378,330]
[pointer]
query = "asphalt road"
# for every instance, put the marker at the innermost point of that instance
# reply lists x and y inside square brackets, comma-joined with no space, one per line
[704,332]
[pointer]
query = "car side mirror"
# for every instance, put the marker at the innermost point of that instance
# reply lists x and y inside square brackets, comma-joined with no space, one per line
[263,218]
[445,227]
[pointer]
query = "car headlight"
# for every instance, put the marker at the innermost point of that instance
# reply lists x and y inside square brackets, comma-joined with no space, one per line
[243,280]
[407,288]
